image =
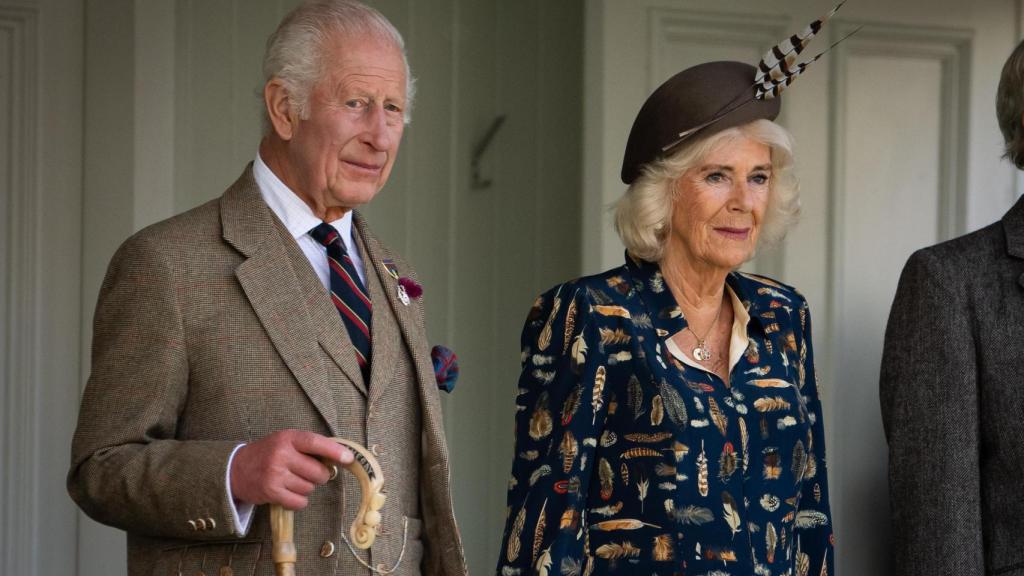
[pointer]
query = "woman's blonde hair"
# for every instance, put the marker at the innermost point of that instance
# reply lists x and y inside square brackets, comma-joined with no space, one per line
[643,216]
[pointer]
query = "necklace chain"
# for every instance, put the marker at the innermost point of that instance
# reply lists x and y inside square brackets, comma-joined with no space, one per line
[701,352]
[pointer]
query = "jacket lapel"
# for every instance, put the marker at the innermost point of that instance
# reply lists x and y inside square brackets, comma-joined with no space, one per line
[1013,225]
[279,296]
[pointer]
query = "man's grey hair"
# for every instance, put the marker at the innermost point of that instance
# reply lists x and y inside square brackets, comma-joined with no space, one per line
[643,216]
[1010,106]
[295,51]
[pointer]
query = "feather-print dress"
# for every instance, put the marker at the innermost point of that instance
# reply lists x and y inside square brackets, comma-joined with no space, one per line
[628,461]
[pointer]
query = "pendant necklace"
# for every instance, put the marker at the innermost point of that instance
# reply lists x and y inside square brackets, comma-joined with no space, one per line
[701,352]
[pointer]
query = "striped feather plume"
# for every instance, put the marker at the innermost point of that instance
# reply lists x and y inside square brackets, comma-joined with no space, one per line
[568,449]
[674,405]
[597,397]
[570,325]
[635,397]
[770,542]
[538,531]
[544,340]
[778,68]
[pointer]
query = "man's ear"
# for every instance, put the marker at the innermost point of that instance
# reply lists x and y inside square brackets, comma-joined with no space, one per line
[280,109]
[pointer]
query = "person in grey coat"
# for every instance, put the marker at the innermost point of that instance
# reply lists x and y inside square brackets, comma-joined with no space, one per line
[952,389]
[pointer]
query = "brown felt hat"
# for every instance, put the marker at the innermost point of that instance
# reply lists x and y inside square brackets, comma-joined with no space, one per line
[704,99]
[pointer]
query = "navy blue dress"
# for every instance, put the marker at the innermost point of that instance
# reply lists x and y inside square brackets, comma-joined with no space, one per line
[628,461]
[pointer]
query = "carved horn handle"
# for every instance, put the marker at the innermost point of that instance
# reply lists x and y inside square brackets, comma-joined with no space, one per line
[364,528]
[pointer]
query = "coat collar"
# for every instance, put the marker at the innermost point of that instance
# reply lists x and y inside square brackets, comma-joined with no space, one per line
[1013,225]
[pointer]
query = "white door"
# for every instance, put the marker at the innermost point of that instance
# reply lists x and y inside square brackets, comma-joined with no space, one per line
[897,148]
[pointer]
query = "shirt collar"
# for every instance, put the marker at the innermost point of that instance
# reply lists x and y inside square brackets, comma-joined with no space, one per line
[295,214]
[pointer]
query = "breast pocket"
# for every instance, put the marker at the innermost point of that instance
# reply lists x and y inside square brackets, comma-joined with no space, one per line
[237,558]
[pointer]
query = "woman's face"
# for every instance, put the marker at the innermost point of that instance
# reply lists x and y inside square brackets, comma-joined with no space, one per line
[720,205]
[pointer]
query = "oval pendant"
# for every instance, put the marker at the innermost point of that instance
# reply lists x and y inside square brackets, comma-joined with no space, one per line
[700,354]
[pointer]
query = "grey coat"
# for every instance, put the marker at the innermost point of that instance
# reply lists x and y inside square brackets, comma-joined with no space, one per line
[952,395]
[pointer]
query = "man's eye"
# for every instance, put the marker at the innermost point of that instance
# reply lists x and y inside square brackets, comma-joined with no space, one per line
[393,108]
[355,103]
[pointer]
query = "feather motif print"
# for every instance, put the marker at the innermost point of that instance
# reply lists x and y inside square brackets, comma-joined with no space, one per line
[570,520]
[610,510]
[662,551]
[544,340]
[570,324]
[702,472]
[674,405]
[608,438]
[640,452]
[663,469]
[720,419]
[641,487]
[824,564]
[803,564]
[799,461]
[539,473]
[679,450]
[726,462]
[810,519]
[772,467]
[811,469]
[817,492]
[695,515]
[615,551]
[543,563]
[618,311]
[769,383]
[514,544]
[579,352]
[570,567]
[635,397]
[597,398]
[624,473]
[568,449]
[610,337]
[744,443]
[730,514]
[782,541]
[605,475]
[657,410]
[538,531]
[770,542]
[771,404]
[540,422]
[648,438]
[624,524]
[571,405]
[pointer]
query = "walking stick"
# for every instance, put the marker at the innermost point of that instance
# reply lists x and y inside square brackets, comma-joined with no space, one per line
[364,528]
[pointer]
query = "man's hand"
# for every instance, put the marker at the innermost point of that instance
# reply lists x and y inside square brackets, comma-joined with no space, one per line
[284,467]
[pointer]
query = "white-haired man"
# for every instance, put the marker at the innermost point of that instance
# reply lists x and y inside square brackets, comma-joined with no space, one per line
[232,340]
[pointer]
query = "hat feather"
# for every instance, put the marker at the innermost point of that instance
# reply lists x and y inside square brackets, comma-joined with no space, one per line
[777,68]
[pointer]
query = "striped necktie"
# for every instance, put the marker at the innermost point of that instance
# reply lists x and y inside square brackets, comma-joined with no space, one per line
[348,293]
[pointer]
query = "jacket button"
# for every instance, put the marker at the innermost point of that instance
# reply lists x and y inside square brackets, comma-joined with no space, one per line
[375,450]
[201,523]
[327,550]
[192,524]
[334,472]
[211,524]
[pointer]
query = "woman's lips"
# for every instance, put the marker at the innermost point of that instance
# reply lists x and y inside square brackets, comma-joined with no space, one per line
[734,233]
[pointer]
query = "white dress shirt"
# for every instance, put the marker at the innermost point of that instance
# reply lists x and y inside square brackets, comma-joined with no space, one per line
[299,219]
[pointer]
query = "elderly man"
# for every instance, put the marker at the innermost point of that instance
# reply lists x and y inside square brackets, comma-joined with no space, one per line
[951,389]
[230,341]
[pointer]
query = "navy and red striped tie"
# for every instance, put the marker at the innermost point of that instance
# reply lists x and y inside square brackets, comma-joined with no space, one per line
[348,293]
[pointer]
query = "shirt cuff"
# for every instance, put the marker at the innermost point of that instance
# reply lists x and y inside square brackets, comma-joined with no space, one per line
[241,512]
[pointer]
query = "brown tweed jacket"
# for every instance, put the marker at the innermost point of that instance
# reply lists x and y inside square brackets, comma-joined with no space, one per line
[212,329]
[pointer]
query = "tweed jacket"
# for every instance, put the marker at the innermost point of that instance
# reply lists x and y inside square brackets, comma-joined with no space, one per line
[213,329]
[628,461]
[952,397]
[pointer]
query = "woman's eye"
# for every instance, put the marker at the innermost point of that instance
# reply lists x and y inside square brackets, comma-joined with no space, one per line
[759,179]
[715,178]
